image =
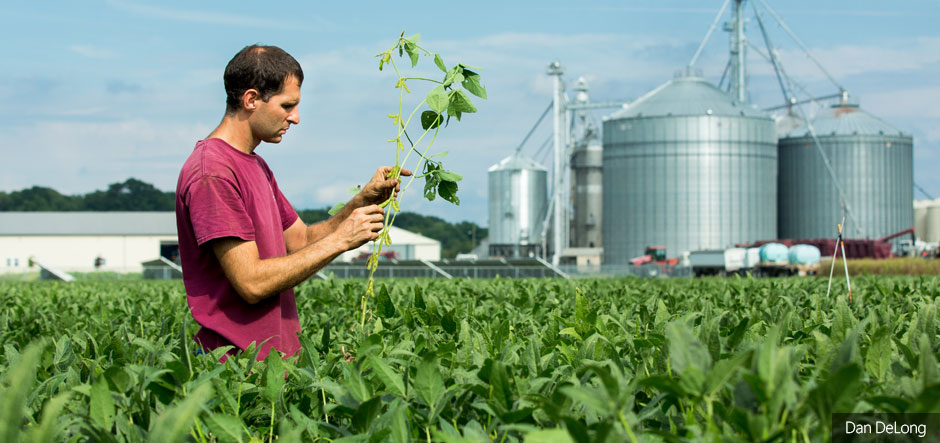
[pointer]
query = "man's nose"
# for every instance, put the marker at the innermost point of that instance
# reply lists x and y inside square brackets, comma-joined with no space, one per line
[294,117]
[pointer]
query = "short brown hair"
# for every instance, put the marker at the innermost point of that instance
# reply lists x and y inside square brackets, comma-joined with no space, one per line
[264,68]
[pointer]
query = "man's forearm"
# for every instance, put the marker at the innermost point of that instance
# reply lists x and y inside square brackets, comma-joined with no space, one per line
[274,275]
[319,231]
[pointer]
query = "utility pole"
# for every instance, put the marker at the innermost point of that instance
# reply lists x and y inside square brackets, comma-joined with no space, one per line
[559,224]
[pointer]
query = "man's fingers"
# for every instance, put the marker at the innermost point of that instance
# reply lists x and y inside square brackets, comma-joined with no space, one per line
[405,172]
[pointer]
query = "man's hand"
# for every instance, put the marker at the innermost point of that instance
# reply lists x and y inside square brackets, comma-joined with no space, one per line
[381,187]
[362,226]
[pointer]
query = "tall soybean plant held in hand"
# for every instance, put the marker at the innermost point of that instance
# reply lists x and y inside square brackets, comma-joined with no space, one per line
[450,96]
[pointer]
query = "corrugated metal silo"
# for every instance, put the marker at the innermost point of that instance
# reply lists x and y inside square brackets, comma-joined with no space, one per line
[933,222]
[586,192]
[920,219]
[688,168]
[873,163]
[786,123]
[518,199]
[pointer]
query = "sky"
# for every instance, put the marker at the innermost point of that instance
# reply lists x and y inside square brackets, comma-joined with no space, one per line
[96,92]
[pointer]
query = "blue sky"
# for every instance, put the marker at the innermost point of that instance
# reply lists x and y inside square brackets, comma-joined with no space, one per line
[96,92]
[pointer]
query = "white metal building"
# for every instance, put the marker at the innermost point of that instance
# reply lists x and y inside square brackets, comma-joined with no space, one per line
[406,245]
[73,241]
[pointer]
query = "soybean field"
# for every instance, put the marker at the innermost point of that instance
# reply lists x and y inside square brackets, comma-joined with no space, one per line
[475,361]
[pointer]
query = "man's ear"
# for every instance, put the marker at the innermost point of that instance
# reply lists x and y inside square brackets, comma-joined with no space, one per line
[250,99]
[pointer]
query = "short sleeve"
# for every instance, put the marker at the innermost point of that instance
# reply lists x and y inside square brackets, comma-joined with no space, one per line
[216,210]
[288,214]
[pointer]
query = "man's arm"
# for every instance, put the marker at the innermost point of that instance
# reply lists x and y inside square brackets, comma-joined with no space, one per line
[255,279]
[379,189]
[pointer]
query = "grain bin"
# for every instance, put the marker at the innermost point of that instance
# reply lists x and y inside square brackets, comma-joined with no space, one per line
[518,200]
[920,219]
[873,163]
[586,191]
[688,168]
[933,222]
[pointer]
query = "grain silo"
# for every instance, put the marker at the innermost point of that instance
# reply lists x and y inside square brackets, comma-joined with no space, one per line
[688,168]
[873,163]
[586,191]
[920,219]
[932,222]
[518,201]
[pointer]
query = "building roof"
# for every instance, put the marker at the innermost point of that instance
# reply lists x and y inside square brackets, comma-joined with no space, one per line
[402,237]
[517,161]
[845,119]
[88,223]
[686,96]
[126,223]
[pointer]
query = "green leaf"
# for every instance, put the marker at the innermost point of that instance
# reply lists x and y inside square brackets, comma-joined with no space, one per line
[448,191]
[570,331]
[366,413]
[414,38]
[325,341]
[440,63]
[274,375]
[19,381]
[430,120]
[837,393]
[880,354]
[685,349]
[471,82]
[174,423]
[591,398]
[548,436]
[396,419]
[460,103]
[101,406]
[448,323]
[428,383]
[412,53]
[336,208]
[450,176]
[226,428]
[384,307]
[47,429]
[437,99]
[388,375]
[929,371]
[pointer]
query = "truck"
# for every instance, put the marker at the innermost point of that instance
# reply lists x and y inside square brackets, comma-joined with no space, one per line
[721,262]
[770,260]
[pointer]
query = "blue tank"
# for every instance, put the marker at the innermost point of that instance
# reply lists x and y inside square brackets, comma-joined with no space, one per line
[804,255]
[774,252]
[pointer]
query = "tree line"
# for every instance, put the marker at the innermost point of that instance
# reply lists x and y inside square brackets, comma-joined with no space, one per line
[136,195]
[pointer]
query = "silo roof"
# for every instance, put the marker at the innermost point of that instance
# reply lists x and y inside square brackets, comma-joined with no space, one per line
[845,119]
[686,96]
[516,161]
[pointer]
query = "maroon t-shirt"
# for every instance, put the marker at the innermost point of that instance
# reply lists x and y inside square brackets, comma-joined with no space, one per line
[223,192]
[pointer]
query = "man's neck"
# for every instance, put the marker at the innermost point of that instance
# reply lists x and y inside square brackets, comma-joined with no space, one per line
[235,131]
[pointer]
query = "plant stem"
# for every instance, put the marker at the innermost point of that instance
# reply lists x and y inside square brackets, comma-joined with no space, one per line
[271,431]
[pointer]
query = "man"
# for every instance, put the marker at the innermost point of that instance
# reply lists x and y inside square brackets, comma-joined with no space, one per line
[242,246]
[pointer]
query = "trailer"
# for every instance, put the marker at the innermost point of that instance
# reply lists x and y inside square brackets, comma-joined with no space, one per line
[719,262]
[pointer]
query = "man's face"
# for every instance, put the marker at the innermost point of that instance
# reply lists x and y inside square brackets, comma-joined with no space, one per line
[272,118]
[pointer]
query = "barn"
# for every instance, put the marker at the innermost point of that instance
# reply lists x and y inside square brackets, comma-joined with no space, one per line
[86,241]
[123,241]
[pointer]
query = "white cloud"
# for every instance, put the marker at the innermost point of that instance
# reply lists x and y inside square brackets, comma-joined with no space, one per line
[843,61]
[91,51]
[217,18]
[78,157]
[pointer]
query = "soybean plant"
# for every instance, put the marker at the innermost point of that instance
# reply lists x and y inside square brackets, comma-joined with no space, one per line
[449,96]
